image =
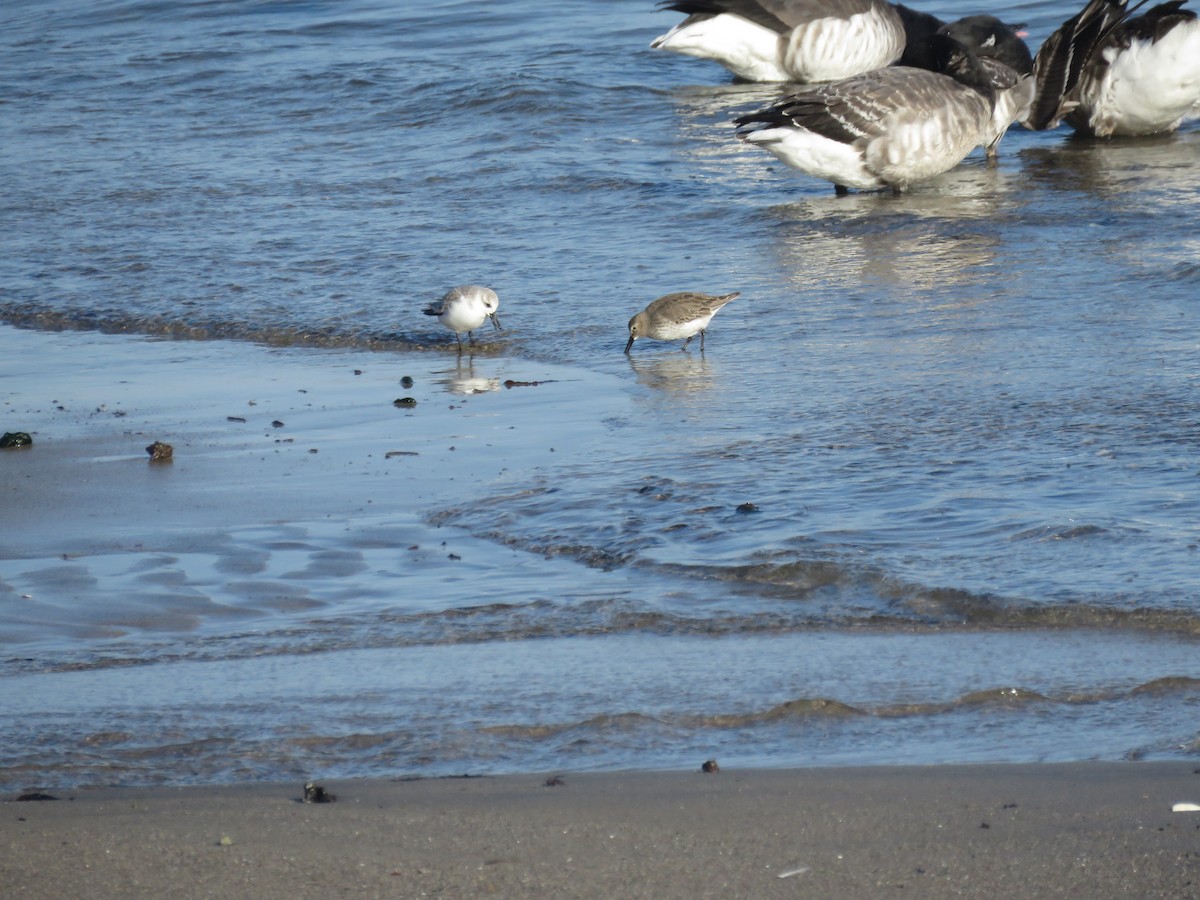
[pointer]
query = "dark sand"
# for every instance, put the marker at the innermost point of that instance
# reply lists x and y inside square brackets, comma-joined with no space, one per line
[1088,830]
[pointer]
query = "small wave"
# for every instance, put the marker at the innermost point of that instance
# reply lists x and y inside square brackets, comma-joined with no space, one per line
[279,335]
[606,723]
[1008,697]
[825,708]
[803,708]
[1185,271]
[1059,533]
[1168,685]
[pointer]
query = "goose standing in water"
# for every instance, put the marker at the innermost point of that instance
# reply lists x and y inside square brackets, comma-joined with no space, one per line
[1006,60]
[887,128]
[1139,74]
[804,41]
[1063,60]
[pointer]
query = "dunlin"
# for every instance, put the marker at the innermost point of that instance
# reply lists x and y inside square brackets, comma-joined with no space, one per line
[677,316]
[465,308]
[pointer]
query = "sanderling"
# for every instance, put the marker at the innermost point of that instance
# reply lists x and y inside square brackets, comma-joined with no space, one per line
[465,308]
[677,316]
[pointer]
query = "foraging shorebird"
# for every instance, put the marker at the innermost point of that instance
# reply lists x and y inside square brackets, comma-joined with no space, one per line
[681,315]
[888,128]
[464,309]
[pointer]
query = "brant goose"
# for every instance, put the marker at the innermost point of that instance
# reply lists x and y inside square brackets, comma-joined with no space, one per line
[1005,58]
[794,40]
[1062,61]
[1143,78]
[887,128]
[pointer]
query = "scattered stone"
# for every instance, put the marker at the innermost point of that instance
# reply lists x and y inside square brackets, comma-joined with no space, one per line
[710,767]
[225,841]
[15,439]
[314,793]
[454,556]
[406,381]
[34,796]
[235,419]
[392,453]
[404,402]
[554,781]
[512,384]
[747,508]
[160,452]
[276,424]
[358,371]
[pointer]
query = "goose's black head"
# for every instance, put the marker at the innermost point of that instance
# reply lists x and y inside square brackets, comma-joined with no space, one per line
[990,37]
[943,54]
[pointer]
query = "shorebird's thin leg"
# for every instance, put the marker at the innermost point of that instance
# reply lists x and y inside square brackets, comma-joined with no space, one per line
[470,339]
[701,339]
[685,343]
[458,337]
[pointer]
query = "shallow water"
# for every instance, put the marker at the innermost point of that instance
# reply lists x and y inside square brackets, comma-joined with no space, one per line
[943,446]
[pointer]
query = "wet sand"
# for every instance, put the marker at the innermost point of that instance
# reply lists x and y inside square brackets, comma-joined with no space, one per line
[1096,830]
[263,434]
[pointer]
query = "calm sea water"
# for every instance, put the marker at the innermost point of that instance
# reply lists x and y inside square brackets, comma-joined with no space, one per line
[930,494]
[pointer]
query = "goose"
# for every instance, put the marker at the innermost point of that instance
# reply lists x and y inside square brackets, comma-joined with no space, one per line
[1006,59]
[804,41]
[888,128]
[1062,62]
[1144,78]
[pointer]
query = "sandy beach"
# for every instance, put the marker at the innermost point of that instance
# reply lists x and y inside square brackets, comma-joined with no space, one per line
[1096,830]
[88,490]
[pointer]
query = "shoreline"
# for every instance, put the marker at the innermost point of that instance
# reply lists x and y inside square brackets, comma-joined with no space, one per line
[1028,830]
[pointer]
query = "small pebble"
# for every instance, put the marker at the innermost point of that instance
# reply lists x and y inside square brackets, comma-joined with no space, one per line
[404,402]
[710,767]
[406,381]
[314,793]
[160,452]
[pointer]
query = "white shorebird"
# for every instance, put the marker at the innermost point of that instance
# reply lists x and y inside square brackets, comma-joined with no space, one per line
[789,40]
[464,309]
[887,128]
[1109,73]
[677,316]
